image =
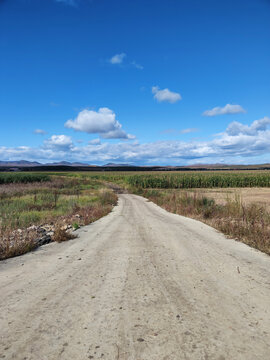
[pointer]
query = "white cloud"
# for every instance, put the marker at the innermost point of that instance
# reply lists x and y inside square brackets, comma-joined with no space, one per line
[237,128]
[227,109]
[40,132]
[118,58]
[100,122]
[59,141]
[94,142]
[239,143]
[137,66]
[165,95]
[188,131]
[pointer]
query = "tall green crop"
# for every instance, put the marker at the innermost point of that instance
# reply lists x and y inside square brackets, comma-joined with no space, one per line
[206,180]
[14,178]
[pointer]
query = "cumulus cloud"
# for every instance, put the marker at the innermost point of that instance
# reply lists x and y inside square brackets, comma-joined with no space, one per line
[243,140]
[102,122]
[94,142]
[239,143]
[165,95]
[236,128]
[118,58]
[40,132]
[59,142]
[227,109]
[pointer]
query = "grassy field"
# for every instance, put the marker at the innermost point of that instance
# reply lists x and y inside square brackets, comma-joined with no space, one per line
[52,199]
[234,202]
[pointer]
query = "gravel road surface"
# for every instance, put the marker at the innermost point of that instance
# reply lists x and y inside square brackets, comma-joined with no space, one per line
[138,284]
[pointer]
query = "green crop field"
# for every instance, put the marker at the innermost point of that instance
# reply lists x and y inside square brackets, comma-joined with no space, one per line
[160,180]
[23,178]
[199,180]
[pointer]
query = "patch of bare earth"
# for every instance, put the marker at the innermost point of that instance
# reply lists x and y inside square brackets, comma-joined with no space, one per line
[258,196]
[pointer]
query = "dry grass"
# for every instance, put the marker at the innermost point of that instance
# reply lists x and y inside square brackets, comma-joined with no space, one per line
[61,234]
[249,223]
[14,244]
[107,197]
[20,189]
[258,196]
[61,202]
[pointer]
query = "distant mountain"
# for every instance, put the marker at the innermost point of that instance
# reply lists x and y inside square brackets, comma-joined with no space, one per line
[24,163]
[20,163]
[116,165]
[226,166]
[65,163]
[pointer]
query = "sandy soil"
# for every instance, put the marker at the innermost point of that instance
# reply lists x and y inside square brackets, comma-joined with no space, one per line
[260,196]
[138,284]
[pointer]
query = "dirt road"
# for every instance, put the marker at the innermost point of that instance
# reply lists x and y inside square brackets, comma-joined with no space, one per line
[138,284]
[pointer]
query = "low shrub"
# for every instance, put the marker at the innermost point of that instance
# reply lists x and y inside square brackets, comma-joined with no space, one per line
[16,243]
[61,234]
[107,197]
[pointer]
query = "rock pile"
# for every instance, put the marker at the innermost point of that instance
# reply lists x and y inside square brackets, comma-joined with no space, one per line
[45,232]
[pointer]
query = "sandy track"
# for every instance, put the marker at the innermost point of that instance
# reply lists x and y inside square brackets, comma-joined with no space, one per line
[138,284]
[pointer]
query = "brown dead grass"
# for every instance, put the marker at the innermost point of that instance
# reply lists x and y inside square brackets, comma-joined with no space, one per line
[61,235]
[258,196]
[248,223]
[13,243]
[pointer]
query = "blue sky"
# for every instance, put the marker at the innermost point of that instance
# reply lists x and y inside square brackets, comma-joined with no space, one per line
[140,82]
